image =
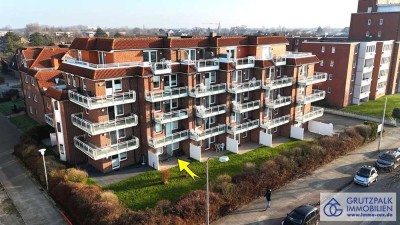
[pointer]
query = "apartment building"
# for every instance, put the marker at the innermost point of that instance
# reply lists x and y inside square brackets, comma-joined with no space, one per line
[129,101]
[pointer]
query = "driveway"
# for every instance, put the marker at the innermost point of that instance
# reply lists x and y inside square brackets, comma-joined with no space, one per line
[339,122]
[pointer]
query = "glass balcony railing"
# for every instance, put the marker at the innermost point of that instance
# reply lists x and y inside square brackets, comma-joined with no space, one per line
[168,94]
[204,65]
[244,63]
[238,129]
[101,101]
[317,95]
[269,124]
[278,83]
[318,77]
[97,153]
[203,91]
[279,102]
[199,135]
[102,66]
[103,127]
[244,87]
[48,118]
[168,139]
[279,60]
[161,67]
[313,114]
[246,107]
[204,112]
[167,117]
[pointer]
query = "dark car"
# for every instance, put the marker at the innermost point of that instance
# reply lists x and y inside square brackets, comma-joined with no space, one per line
[388,160]
[302,215]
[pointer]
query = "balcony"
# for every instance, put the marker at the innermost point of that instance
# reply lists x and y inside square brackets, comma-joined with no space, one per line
[316,95]
[203,91]
[168,94]
[313,114]
[279,102]
[97,153]
[382,79]
[103,127]
[318,77]
[279,83]
[244,63]
[203,112]
[368,68]
[366,82]
[168,117]
[76,62]
[204,65]
[279,61]
[244,87]
[364,94]
[169,139]
[269,124]
[238,129]
[48,118]
[101,101]
[385,66]
[246,107]
[161,67]
[198,135]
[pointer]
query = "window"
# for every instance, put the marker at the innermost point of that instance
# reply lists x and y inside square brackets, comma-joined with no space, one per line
[233,117]
[381,22]
[213,77]
[170,80]
[367,34]
[333,49]
[62,150]
[245,115]
[87,111]
[244,135]
[117,85]
[55,105]
[68,80]
[33,81]
[356,50]
[123,156]
[354,63]
[156,82]
[212,99]
[353,77]
[351,90]
[212,119]
[175,125]
[29,94]
[332,63]
[379,33]
[158,127]
[47,105]
[119,110]
[174,103]
[58,127]
[323,49]
[199,121]
[150,56]
[246,95]
[329,90]
[26,79]
[30,109]
[175,146]
[190,54]
[157,106]
[83,83]
[247,75]
[235,75]
[330,76]
[121,133]
[299,108]
[34,98]
[276,111]
[369,22]
[321,63]
[297,42]
[73,81]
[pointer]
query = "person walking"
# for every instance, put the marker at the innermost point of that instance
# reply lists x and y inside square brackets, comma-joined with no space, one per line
[268,198]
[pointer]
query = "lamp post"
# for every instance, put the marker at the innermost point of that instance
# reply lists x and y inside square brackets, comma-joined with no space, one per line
[383,121]
[44,164]
[221,159]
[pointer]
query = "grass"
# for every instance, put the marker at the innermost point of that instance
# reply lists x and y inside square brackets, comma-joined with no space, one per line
[146,189]
[23,122]
[375,108]
[6,107]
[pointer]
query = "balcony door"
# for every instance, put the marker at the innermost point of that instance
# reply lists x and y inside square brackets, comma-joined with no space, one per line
[231,53]
[115,161]
[170,81]
[102,57]
[266,52]
[109,88]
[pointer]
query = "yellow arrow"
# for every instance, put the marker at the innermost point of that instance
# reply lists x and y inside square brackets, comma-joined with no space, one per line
[183,165]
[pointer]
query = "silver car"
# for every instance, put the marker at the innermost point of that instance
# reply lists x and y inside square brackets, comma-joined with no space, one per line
[366,175]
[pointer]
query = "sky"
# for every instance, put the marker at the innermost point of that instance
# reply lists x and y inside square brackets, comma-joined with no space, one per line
[178,13]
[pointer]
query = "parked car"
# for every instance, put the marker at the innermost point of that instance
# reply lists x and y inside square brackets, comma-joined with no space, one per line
[366,175]
[305,214]
[388,160]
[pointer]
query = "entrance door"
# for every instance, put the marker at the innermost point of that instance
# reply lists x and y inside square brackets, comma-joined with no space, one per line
[115,162]
[109,87]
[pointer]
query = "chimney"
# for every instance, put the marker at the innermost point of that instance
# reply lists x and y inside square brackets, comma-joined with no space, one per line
[213,34]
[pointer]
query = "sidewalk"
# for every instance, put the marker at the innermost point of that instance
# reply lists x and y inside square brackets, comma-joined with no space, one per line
[31,203]
[329,178]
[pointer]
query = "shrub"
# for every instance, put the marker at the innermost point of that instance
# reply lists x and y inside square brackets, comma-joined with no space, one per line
[249,167]
[37,133]
[134,217]
[224,186]
[109,196]
[365,131]
[75,175]
[396,113]
[374,127]
[165,175]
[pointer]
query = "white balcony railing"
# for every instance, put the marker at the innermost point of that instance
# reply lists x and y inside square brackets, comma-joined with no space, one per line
[103,127]
[269,124]
[313,114]
[366,82]
[102,66]
[203,65]
[316,95]
[247,62]
[168,94]
[246,107]
[161,67]
[238,129]
[97,153]
[318,77]
[364,94]
[169,139]
[368,68]
[199,135]
[167,117]
[382,79]
[279,60]
[279,102]
[244,87]
[203,91]
[203,112]
[279,83]
[48,118]
[101,101]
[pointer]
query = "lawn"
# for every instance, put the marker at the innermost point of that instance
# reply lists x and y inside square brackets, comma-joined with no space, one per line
[146,190]
[6,107]
[375,108]
[23,122]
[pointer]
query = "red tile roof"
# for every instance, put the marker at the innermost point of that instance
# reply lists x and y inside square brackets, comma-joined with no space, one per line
[188,42]
[99,73]
[45,78]
[59,95]
[43,60]
[109,44]
[31,53]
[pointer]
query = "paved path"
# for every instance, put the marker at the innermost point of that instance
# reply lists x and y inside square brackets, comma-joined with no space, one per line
[32,204]
[330,178]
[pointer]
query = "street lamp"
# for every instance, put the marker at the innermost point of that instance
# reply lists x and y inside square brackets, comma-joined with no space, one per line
[221,159]
[44,164]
